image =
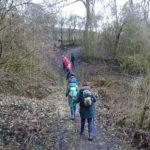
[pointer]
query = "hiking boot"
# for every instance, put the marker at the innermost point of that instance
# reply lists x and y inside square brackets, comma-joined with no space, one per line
[81,132]
[72,118]
[90,138]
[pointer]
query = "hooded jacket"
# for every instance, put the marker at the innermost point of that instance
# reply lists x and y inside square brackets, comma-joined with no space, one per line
[86,112]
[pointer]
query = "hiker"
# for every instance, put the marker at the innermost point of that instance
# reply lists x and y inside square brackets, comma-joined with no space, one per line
[72,78]
[72,92]
[64,61]
[86,98]
[69,74]
[68,66]
[73,60]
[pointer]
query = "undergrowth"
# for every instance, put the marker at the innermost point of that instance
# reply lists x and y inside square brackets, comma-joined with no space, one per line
[123,99]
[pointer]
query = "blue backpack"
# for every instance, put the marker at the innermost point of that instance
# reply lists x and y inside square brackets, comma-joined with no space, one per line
[72,80]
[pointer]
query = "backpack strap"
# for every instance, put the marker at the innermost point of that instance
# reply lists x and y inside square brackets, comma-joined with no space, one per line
[81,97]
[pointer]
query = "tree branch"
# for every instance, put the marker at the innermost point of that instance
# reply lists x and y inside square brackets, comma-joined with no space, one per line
[83,2]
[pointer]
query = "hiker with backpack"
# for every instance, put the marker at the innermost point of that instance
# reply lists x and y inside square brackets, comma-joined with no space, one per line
[86,99]
[72,92]
[72,78]
[73,60]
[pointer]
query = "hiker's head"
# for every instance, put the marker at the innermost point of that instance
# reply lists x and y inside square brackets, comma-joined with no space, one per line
[72,74]
[85,85]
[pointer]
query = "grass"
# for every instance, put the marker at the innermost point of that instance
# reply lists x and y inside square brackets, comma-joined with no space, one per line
[135,64]
[2,143]
[31,118]
[36,147]
[121,97]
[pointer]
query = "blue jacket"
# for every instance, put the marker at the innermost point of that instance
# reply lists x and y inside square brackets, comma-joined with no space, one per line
[85,112]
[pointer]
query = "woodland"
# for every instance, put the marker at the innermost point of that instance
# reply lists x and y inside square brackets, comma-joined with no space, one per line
[112,47]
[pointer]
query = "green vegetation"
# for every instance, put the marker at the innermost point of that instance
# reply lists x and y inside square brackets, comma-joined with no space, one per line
[26,55]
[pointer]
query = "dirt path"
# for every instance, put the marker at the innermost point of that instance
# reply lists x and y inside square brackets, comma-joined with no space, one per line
[73,141]
[45,124]
[67,53]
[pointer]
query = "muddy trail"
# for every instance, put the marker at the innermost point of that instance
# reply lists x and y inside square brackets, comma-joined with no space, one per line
[73,141]
[67,52]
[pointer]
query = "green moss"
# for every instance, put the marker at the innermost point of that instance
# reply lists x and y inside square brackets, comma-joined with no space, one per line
[2,143]
[134,64]
[36,147]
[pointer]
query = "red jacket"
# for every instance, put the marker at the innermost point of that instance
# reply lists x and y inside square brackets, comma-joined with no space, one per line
[64,60]
[68,66]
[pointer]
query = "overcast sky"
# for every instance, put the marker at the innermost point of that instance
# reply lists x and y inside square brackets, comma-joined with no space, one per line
[101,8]
[79,9]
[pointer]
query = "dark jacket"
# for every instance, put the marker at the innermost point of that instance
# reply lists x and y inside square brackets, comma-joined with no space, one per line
[85,112]
[72,58]
[68,74]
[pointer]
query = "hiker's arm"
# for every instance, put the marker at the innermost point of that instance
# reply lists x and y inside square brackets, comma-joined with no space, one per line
[93,97]
[78,98]
[67,76]
[77,89]
[67,91]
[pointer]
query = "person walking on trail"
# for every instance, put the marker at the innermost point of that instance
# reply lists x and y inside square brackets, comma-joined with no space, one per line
[72,78]
[73,60]
[64,61]
[69,74]
[72,92]
[68,66]
[86,99]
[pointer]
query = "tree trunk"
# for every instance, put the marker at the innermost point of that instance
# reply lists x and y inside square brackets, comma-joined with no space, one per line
[1,49]
[61,33]
[87,42]
[116,11]
[117,40]
[146,9]
[143,116]
[131,3]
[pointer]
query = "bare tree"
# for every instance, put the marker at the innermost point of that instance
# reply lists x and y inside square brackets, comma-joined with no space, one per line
[116,11]
[146,9]
[89,5]
[62,22]
[131,3]
[72,23]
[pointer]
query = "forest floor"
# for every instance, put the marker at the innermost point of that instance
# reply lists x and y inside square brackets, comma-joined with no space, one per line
[33,124]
